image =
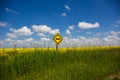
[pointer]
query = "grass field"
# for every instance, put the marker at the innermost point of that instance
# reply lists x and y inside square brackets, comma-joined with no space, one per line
[84,63]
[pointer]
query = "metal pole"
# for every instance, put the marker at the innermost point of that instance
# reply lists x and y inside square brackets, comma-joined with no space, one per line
[56,47]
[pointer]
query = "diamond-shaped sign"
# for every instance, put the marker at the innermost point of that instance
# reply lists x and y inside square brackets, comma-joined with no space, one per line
[57,38]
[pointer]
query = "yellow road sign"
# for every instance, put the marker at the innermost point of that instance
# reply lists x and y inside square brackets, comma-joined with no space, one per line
[57,38]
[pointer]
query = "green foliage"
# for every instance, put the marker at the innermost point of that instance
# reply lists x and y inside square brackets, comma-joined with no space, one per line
[72,64]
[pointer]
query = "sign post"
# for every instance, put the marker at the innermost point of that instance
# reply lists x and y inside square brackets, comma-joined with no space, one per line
[57,39]
[56,47]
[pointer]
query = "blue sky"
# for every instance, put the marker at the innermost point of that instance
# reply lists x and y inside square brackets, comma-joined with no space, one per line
[80,22]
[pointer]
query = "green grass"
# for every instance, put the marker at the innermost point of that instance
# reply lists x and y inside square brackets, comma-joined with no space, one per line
[72,64]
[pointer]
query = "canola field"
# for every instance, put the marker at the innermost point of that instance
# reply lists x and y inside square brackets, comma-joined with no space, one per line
[83,63]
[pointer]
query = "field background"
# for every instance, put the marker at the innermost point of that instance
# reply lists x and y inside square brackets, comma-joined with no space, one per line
[84,63]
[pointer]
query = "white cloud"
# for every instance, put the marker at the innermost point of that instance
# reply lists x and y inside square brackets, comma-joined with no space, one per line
[4,24]
[44,29]
[118,22]
[63,14]
[80,41]
[20,41]
[71,27]
[85,25]
[9,40]
[39,43]
[68,32]
[41,28]
[29,40]
[24,31]
[12,11]
[45,39]
[68,41]
[82,38]
[89,41]
[54,31]
[88,32]
[25,41]
[116,25]
[115,32]
[112,40]
[1,42]
[41,34]
[67,7]
[11,35]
